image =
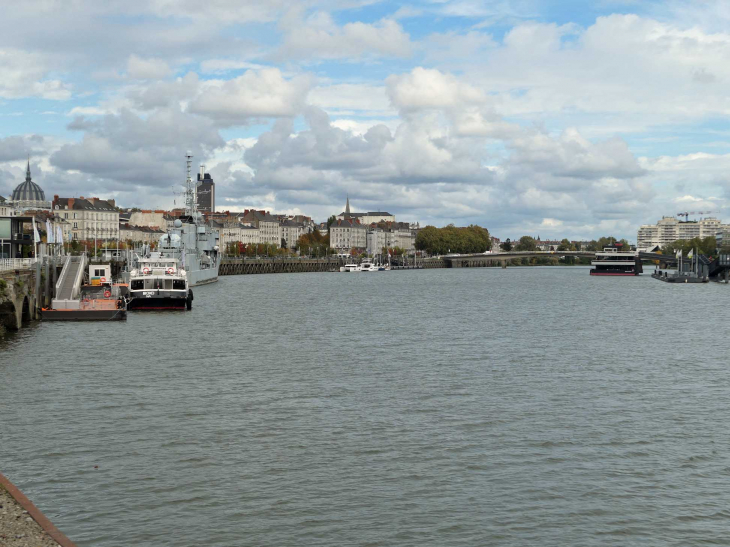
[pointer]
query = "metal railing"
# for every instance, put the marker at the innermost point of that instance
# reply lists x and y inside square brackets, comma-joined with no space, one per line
[17,263]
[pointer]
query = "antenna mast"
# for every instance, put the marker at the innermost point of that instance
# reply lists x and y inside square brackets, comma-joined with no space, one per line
[191,198]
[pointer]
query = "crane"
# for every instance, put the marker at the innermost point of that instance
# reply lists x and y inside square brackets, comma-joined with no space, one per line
[687,213]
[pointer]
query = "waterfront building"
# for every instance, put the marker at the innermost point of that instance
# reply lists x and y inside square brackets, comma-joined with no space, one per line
[205,192]
[151,219]
[235,232]
[139,234]
[347,234]
[371,217]
[670,229]
[722,238]
[390,235]
[268,226]
[91,218]
[5,209]
[28,195]
[291,231]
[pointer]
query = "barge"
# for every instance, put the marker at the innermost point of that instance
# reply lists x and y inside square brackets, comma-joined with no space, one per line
[614,261]
[99,299]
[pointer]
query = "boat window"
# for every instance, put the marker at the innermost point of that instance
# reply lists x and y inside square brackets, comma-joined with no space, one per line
[137,284]
[178,284]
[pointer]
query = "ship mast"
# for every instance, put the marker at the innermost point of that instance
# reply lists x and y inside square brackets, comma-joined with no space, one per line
[191,190]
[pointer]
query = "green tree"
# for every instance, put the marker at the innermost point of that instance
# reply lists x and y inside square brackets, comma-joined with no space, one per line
[506,246]
[330,221]
[526,243]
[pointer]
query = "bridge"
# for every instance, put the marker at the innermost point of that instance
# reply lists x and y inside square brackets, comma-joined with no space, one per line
[490,259]
[26,286]
[18,305]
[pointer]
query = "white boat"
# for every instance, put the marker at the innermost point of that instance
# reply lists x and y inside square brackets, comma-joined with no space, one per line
[368,267]
[159,283]
[351,268]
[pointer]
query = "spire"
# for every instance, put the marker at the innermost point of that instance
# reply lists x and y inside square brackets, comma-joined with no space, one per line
[347,207]
[27,170]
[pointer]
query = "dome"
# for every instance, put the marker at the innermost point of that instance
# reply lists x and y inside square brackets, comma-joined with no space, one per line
[28,190]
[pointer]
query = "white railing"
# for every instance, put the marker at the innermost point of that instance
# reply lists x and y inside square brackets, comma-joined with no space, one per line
[17,263]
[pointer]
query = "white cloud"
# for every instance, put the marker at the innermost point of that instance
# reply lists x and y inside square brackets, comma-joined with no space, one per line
[318,36]
[147,69]
[255,94]
[25,74]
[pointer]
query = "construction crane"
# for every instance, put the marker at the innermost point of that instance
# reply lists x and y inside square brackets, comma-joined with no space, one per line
[687,213]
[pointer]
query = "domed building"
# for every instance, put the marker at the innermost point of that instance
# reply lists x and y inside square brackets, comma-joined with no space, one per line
[28,195]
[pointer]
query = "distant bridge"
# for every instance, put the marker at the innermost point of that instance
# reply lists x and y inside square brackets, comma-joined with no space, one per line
[482,260]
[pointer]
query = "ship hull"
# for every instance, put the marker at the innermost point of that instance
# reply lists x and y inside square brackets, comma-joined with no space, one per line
[156,303]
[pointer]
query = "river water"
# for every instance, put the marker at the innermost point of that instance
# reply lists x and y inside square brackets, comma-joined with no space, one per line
[527,406]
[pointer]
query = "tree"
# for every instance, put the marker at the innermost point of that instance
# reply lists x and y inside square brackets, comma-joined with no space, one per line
[450,239]
[330,221]
[566,245]
[526,243]
[506,246]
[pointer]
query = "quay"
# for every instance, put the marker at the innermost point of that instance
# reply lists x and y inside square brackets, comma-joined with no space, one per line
[22,523]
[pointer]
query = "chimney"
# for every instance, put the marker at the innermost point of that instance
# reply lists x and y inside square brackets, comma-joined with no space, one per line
[112,202]
[54,205]
[71,203]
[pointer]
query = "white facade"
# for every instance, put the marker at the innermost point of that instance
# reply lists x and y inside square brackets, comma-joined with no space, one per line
[148,218]
[669,229]
[401,237]
[292,231]
[346,235]
[88,218]
[232,233]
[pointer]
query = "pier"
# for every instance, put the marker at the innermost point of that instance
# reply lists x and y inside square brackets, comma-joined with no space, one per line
[244,266]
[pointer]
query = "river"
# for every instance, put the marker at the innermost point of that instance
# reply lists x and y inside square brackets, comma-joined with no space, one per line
[526,406]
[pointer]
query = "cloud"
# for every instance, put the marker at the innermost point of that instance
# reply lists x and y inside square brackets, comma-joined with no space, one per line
[255,94]
[147,69]
[20,147]
[317,36]
[127,153]
[25,74]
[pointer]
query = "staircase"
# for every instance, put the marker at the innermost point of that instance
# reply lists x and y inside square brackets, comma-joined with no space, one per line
[69,283]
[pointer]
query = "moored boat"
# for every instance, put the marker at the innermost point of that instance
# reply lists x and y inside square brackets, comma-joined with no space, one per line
[614,261]
[159,283]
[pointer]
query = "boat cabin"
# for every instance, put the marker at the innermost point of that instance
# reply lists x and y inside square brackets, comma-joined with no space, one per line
[100,274]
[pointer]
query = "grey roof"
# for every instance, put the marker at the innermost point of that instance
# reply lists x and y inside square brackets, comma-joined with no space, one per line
[80,204]
[2,199]
[28,190]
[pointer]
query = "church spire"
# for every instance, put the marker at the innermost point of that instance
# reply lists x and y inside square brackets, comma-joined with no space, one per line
[27,170]
[347,207]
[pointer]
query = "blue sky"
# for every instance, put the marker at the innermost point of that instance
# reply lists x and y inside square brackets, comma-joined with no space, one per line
[559,118]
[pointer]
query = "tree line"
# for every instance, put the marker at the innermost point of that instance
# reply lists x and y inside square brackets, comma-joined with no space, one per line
[450,239]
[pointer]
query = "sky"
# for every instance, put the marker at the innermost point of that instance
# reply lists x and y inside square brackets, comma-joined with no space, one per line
[552,118]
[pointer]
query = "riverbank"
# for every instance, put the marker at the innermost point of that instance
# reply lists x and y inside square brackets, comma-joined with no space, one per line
[22,524]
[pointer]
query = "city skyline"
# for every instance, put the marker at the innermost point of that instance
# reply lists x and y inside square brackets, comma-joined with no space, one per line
[526,118]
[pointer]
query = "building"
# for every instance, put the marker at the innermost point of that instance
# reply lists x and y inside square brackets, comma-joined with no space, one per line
[139,234]
[205,192]
[347,234]
[16,236]
[91,218]
[235,232]
[390,235]
[669,229]
[151,219]
[291,231]
[5,209]
[269,231]
[371,217]
[28,195]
